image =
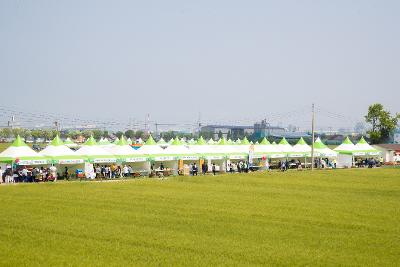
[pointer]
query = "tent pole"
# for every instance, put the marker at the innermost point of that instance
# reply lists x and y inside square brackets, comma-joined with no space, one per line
[312,138]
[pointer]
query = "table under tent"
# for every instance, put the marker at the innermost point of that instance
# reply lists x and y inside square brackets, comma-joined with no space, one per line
[19,154]
[158,158]
[350,154]
[63,157]
[127,155]
[301,151]
[321,151]
[265,151]
[95,155]
[184,157]
[236,152]
[209,152]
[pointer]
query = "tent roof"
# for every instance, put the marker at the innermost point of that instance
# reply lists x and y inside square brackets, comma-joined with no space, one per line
[161,142]
[265,142]
[346,147]
[301,141]
[201,141]
[283,141]
[150,141]
[245,141]
[18,149]
[176,142]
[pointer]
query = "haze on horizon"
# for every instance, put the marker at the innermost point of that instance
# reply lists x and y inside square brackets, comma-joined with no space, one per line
[233,61]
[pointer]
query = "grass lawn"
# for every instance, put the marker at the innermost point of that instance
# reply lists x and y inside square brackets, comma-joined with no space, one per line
[325,218]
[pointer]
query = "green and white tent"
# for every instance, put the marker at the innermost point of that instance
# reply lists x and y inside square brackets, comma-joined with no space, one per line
[178,150]
[162,143]
[105,143]
[69,143]
[129,141]
[362,148]
[125,153]
[239,151]
[94,153]
[58,153]
[154,151]
[266,150]
[116,141]
[285,147]
[205,150]
[211,142]
[301,149]
[21,154]
[321,150]
[346,147]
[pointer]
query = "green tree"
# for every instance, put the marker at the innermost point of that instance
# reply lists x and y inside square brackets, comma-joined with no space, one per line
[119,134]
[382,123]
[97,134]
[139,134]
[6,133]
[130,134]
[87,133]
[36,134]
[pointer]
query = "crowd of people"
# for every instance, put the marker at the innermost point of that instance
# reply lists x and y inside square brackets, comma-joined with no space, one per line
[28,175]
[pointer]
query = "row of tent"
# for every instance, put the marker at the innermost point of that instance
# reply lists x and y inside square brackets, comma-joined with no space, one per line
[59,152]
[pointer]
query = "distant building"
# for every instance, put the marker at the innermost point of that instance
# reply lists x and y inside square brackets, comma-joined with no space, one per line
[390,152]
[259,130]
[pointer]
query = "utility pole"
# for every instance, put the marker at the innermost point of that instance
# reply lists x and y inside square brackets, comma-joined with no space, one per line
[312,138]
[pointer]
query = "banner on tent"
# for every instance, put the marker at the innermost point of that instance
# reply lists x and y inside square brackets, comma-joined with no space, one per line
[189,157]
[214,157]
[237,157]
[70,161]
[275,156]
[296,155]
[136,159]
[32,162]
[164,158]
[104,160]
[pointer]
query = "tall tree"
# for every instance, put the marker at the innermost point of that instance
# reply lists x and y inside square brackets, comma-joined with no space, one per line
[130,134]
[382,123]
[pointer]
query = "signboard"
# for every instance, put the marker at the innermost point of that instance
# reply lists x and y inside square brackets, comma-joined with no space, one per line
[274,156]
[104,160]
[32,162]
[296,155]
[70,161]
[136,159]
[189,157]
[215,157]
[165,158]
[237,157]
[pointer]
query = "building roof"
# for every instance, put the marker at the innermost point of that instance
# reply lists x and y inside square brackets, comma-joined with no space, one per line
[394,147]
[239,127]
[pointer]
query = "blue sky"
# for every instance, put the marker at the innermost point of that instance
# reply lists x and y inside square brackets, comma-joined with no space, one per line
[228,60]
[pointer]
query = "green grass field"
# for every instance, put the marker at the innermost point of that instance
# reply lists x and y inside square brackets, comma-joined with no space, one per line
[325,218]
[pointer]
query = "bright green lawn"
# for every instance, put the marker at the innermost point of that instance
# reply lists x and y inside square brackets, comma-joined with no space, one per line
[325,218]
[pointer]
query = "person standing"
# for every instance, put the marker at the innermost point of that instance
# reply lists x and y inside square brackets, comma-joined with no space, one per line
[214,169]
[1,176]
[194,169]
[204,168]
[66,176]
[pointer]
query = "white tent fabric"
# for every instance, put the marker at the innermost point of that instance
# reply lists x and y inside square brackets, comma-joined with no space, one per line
[56,151]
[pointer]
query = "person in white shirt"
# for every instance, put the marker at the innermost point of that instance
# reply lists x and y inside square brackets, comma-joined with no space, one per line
[1,176]
[126,171]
